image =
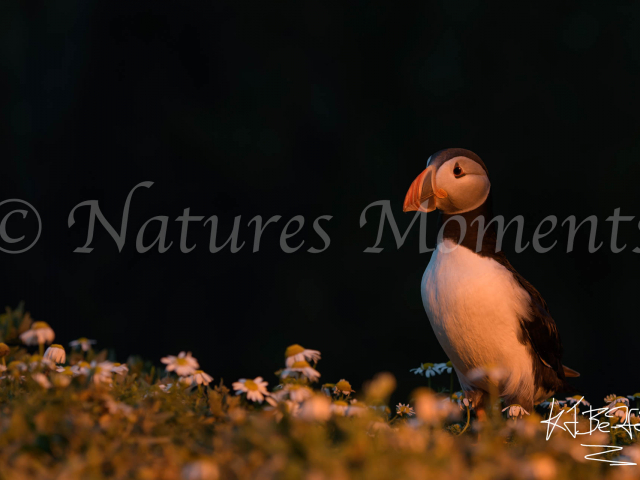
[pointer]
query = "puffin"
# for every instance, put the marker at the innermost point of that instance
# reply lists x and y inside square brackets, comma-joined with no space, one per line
[494,326]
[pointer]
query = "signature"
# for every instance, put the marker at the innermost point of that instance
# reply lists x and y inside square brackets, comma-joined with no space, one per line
[599,421]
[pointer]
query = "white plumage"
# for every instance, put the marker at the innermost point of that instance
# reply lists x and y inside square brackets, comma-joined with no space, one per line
[474,305]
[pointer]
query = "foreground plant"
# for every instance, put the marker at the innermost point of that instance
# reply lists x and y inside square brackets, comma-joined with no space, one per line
[90,417]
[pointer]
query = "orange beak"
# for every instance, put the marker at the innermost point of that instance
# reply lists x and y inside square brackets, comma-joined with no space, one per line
[422,193]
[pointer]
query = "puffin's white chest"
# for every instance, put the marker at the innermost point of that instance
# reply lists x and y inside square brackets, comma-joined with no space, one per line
[474,305]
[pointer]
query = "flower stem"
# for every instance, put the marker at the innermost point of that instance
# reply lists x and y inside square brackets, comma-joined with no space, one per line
[451,382]
[468,421]
[41,348]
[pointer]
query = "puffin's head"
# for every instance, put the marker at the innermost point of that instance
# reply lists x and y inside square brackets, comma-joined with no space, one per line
[455,181]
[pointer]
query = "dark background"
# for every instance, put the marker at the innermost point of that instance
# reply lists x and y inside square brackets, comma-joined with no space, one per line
[313,108]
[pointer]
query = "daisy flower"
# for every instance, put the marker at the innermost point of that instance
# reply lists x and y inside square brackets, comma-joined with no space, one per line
[292,408]
[301,367]
[102,373]
[184,364]
[343,387]
[56,353]
[120,368]
[356,409]
[426,369]
[552,401]
[36,361]
[39,334]
[443,367]
[42,380]
[610,398]
[635,396]
[81,368]
[619,409]
[165,388]
[18,366]
[83,343]
[296,353]
[515,411]
[14,375]
[459,398]
[200,378]
[577,399]
[298,393]
[66,371]
[327,388]
[339,407]
[186,381]
[614,400]
[405,410]
[255,389]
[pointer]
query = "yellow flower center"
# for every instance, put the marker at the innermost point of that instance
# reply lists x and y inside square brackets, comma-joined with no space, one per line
[449,364]
[340,403]
[404,409]
[251,385]
[199,372]
[84,364]
[182,361]
[37,325]
[55,345]
[426,366]
[300,364]
[82,340]
[292,350]
[343,386]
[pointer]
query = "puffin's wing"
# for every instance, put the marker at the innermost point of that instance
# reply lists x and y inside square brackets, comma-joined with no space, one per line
[539,328]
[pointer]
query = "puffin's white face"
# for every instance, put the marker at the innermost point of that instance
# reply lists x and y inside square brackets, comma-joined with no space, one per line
[459,185]
[466,184]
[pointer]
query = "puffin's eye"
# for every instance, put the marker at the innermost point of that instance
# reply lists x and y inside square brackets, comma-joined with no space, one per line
[457,171]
